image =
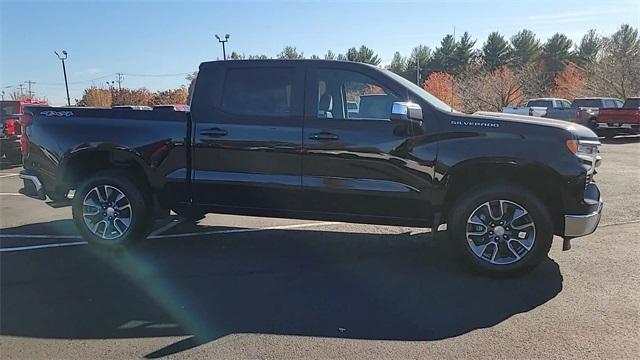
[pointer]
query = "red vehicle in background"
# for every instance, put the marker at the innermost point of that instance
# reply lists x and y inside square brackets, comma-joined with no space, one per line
[618,121]
[10,114]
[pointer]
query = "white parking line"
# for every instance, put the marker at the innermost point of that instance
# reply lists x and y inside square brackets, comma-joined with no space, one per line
[8,175]
[11,194]
[215,232]
[44,246]
[166,227]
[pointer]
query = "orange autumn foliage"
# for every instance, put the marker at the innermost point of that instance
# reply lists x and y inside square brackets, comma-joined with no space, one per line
[570,83]
[440,85]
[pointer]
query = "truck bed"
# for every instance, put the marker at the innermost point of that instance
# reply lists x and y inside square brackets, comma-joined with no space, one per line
[154,140]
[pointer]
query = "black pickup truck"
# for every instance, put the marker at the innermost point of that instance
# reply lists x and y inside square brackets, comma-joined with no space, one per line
[277,138]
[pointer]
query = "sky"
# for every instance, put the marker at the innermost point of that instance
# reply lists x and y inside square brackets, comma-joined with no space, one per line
[156,43]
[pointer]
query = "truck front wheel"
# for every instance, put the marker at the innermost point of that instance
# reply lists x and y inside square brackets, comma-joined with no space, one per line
[112,210]
[501,230]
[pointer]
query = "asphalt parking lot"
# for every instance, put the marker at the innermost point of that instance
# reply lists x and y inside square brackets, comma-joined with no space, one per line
[240,287]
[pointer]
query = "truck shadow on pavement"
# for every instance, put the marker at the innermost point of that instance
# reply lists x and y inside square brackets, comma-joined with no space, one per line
[283,282]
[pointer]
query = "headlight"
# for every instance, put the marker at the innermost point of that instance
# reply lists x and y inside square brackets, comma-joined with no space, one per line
[587,151]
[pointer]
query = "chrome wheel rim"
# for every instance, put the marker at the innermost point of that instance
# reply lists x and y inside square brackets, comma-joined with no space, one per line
[107,212]
[500,232]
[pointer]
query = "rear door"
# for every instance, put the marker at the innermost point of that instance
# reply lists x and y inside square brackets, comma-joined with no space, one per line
[247,135]
[355,160]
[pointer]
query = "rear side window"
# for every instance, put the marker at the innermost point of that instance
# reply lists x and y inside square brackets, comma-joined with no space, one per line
[632,104]
[595,103]
[258,91]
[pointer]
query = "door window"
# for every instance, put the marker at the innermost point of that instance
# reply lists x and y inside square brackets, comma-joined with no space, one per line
[348,95]
[610,104]
[258,91]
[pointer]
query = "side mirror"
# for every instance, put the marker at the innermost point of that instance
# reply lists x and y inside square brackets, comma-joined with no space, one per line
[406,111]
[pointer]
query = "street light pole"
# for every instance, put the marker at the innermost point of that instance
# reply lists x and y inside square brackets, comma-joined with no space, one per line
[224,52]
[62,58]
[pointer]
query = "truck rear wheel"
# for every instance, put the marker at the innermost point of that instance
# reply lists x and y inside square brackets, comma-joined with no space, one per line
[111,210]
[501,230]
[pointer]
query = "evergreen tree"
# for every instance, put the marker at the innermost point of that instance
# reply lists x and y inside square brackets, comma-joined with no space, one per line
[589,47]
[525,48]
[495,52]
[443,59]
[463,53]
[556,53]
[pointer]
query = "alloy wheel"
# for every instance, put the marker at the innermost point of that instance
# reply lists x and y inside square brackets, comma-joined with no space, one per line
[107,212]
[500,232]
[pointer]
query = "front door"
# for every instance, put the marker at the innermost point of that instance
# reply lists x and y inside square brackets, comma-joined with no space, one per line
[246,150]
[356,161]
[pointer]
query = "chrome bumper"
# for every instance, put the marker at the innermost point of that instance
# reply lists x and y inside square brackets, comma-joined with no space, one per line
[32,186]
[580,225]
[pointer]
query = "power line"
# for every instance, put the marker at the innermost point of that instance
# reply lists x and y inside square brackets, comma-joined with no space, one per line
[156,75]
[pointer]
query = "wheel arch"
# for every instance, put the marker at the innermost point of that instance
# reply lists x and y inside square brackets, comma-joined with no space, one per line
[543,182]
[78,165]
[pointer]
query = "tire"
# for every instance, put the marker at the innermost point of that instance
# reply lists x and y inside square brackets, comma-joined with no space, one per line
[111,210]
[501,245]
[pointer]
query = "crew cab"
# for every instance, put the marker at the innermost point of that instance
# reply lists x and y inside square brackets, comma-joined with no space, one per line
[620,120]
[277,138]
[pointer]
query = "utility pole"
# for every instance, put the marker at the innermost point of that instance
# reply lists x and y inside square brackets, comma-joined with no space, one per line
[226,38]
[62,58]
[29,82]
[120,79]
[418,68]
[20,87]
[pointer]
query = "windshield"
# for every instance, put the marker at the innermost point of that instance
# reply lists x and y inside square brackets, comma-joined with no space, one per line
[422,93]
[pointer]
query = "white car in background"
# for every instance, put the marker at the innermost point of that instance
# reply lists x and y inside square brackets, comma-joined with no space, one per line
[538,107]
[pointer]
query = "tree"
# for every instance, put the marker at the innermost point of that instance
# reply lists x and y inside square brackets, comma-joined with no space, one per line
[127,96]
[441,85]
[463,53]
[489,90]
[363,55]
[18,95]
[330,55]
[525,48]
[236,56]
[420,57]
[258,57]
[398,64]
[556,53]
[534,80]
[617,73]
[496,52]
[314,57]
[290,53]
[569,83]
[443,59]
[95,96]
[589,47]
[170,97]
